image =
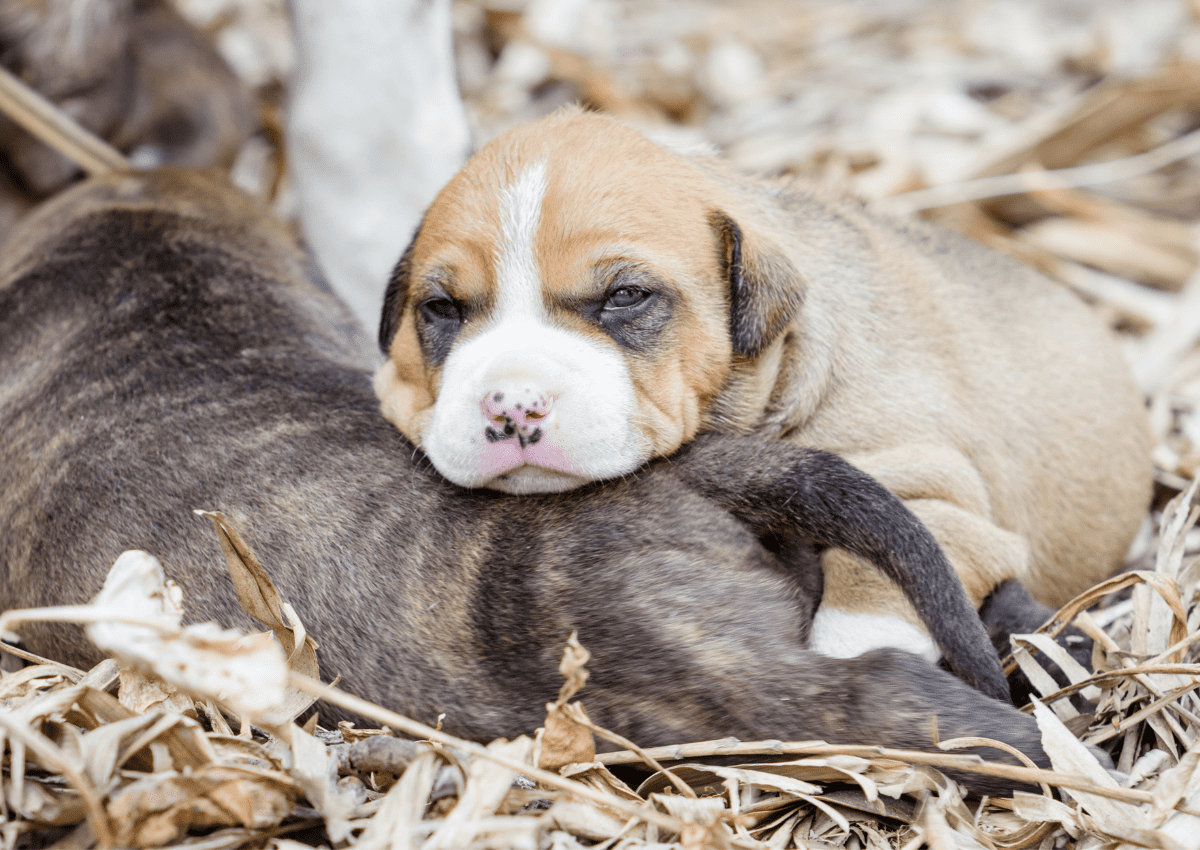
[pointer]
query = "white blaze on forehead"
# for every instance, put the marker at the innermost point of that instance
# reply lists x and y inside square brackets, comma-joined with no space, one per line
[517,277]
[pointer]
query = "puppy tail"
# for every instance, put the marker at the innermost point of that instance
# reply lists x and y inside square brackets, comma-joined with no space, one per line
[817,498]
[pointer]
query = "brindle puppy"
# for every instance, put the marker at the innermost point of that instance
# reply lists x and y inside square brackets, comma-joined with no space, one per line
[163,348]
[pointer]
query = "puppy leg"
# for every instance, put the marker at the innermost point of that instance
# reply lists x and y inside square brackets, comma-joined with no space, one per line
[861,610]
[376,127]
[1010,610]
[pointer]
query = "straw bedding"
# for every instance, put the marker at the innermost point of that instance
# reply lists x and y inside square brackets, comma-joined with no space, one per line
[1065,133]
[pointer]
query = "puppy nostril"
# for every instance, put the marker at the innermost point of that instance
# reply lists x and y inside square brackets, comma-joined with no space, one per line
[505,416]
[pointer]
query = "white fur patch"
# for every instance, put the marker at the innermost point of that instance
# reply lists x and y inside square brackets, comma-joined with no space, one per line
[845,634]
[517,275]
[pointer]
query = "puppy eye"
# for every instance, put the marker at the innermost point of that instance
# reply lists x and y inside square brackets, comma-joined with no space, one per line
[625,297]
[441,309]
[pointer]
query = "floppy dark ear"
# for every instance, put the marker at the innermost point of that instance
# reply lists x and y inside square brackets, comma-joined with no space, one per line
[394,297]
[765,290]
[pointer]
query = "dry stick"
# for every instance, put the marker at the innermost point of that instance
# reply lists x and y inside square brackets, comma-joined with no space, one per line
[1075,611]
[1131,672]
[1129,668]
[408,726]
[971,764]
[1137,717]
[976,741]
[1194,637]
[52,126]
[1015,184]
[26,655]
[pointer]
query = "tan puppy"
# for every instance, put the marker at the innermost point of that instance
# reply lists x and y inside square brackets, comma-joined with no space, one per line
[578,300]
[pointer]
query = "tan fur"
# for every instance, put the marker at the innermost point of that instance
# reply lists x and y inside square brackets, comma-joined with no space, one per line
[985,395]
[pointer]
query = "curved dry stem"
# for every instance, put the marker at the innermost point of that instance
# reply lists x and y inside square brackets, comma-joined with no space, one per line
[384,717]
[52,126]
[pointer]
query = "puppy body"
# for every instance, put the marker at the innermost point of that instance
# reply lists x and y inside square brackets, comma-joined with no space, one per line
[618,298]
[162,349]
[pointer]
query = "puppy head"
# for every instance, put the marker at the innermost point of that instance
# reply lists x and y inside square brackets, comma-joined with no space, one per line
[572,301]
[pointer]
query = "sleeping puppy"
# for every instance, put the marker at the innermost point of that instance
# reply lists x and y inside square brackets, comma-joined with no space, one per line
[163,348]
[579,300]
[132,72]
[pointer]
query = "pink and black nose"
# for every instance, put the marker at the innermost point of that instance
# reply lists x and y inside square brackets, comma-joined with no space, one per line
[515,415]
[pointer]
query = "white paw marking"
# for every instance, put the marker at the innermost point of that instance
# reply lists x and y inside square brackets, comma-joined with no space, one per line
[844,634]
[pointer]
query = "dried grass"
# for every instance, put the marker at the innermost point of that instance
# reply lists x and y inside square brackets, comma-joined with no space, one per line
[1063,133]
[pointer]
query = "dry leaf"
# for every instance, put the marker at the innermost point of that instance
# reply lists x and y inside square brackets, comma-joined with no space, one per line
[564,740]
[162,808]
[1069,755]
[248,673]
[584,820]
[142,693]
[397,824]
[259,598]
[487,785]
[315,772]
[40,803]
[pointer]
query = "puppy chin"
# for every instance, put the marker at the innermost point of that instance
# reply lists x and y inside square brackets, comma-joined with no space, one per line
[547,466]
[527,480]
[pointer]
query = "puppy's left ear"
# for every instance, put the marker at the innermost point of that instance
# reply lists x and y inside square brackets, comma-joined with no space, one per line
[395,296]
[765,290]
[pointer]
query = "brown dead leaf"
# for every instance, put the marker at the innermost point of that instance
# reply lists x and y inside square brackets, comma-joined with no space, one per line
[44,803]
[566,737]
[142,693]
[259,598]
[162,808]
[564,740]
[30,680]
[598,776]
[585,820]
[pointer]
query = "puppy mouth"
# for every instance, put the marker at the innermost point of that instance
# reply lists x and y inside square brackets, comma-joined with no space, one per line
[529,478]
